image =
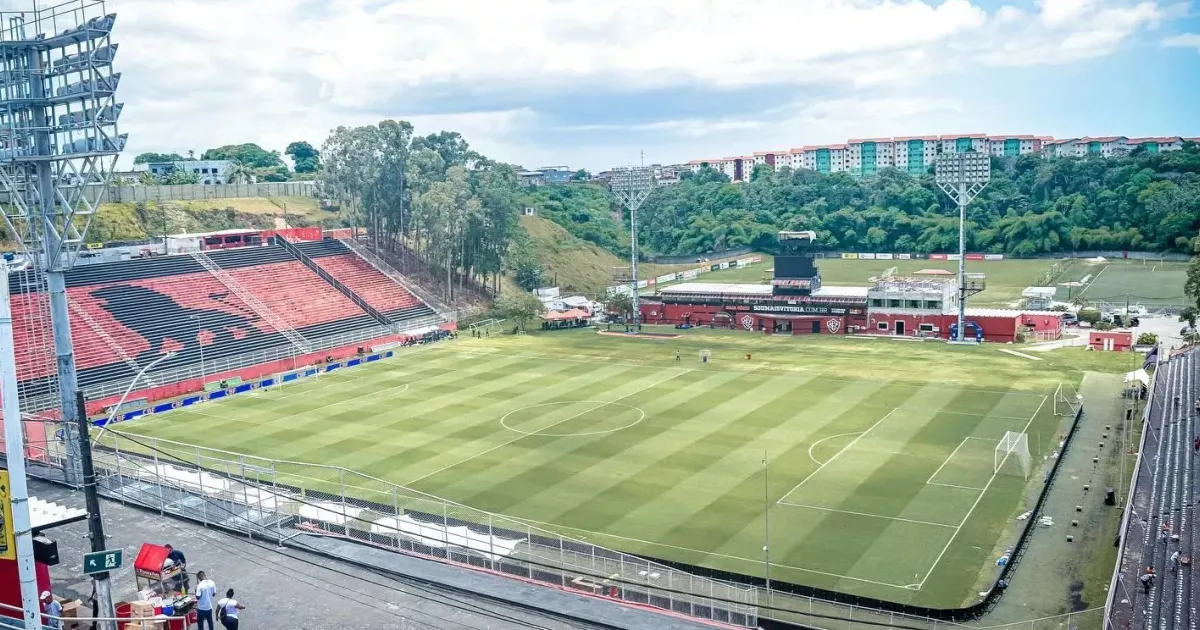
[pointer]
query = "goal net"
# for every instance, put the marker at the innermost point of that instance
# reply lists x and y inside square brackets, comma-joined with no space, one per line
[1012,455]
[1066,400]
[705,355]
[291,377]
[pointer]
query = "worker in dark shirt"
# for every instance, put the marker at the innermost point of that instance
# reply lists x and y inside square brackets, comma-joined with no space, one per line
[176,556]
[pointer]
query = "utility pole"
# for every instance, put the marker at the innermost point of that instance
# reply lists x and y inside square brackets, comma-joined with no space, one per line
[767,526]
[95,524]
[14,445]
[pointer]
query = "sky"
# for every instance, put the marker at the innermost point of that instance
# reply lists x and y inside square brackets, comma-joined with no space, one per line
[595,83]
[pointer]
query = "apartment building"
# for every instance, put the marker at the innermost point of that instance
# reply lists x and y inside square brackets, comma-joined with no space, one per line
[1014,145]
[823,158]
[963,143]
[867,156]
[916,154]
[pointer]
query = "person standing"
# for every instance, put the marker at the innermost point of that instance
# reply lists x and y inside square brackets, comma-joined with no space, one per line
[227,609]
[1175,562]
[52,610]
[178,559]
[206,590]
[1147,580]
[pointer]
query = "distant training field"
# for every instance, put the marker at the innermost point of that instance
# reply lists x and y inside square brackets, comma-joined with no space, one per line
[1005,278]
[880,476]
[1147,282]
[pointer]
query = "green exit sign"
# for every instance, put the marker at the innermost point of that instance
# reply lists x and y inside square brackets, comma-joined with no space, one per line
[101,561]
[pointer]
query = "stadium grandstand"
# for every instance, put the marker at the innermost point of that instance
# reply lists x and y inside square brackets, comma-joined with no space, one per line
[1153,586]
[218,311]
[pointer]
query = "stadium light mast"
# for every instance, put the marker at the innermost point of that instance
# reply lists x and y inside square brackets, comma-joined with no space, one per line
[59,143]
[631,185]
[962,176]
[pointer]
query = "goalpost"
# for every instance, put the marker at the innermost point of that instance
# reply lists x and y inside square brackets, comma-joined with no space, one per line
[292,376]
[705,355]
[1066,403]
[1012,455]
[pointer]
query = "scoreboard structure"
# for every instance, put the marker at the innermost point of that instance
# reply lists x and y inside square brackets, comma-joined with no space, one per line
[795,271]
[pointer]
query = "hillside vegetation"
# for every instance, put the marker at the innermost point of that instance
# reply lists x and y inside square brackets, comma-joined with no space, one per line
[130,221]
[575,265]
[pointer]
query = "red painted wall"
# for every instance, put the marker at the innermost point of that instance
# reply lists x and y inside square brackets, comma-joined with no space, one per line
[295,234]
[1122,339]
[10,585]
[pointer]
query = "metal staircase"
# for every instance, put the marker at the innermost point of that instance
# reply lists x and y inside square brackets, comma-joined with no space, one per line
[337,284]
[444,312]
[79,310]
[258,307]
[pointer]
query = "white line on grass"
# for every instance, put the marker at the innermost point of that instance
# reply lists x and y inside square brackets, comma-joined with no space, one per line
[835,456]
[1020,354]
[976,503]
[946,461]
[550,426]
[711,553]
[755,369]
[814,444]
[879,516]
[1089,285]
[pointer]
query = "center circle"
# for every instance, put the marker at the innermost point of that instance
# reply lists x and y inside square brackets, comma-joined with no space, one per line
[572,418]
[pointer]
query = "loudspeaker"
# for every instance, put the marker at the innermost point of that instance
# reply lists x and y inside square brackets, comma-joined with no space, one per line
[45,550]
[1110,496]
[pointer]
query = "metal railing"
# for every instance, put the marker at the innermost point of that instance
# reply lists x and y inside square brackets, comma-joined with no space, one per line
[379,264]
[253,302]
[279,500]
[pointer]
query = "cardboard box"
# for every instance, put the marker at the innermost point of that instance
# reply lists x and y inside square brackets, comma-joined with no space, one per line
[141,609]
[71,608]
[132,626]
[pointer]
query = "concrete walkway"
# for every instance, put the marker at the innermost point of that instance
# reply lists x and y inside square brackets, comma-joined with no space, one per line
[1049,578]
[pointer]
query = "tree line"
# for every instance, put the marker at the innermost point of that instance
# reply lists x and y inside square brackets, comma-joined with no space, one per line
[1033,205]
[432,195]
[250,163]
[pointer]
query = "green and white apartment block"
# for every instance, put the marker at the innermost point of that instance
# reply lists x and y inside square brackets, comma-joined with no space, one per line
[916,154]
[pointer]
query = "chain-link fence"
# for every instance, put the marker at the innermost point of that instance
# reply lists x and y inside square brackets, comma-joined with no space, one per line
[279,499]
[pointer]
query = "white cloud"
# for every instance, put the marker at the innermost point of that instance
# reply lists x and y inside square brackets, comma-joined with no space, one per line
[1185,40]
[199,73]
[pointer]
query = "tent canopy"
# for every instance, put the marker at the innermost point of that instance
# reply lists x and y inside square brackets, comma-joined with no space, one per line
[1139,375]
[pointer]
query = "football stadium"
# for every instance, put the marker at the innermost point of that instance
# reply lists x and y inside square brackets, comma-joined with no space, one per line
[427,414]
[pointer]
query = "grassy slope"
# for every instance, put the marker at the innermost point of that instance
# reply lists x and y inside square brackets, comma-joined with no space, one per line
[579,266]
[689,475]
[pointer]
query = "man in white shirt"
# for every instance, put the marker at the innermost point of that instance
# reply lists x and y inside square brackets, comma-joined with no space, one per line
[53,611]
[206,590]
[229,607]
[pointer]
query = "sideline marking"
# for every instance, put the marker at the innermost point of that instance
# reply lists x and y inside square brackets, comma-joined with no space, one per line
[756,561]
[835,456]
[1020,354]
[982,493]
[551,426]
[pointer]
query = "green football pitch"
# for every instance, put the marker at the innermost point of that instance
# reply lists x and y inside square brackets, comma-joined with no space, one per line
[880,474]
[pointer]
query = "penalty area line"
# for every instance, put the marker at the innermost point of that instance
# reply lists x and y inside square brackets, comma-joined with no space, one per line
[982,493]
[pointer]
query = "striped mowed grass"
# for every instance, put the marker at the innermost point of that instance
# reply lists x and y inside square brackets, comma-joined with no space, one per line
[879,456]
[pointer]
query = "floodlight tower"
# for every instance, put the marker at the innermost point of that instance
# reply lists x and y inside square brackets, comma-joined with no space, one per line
[58,145]
[962,176]
[632,185]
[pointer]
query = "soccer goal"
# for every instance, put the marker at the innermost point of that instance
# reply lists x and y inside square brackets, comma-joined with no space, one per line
[705,355]
[1066,400]
[1012,455]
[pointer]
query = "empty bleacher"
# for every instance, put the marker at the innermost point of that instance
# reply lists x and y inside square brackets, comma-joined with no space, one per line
[381,292]
[126,314]
[1163,503]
